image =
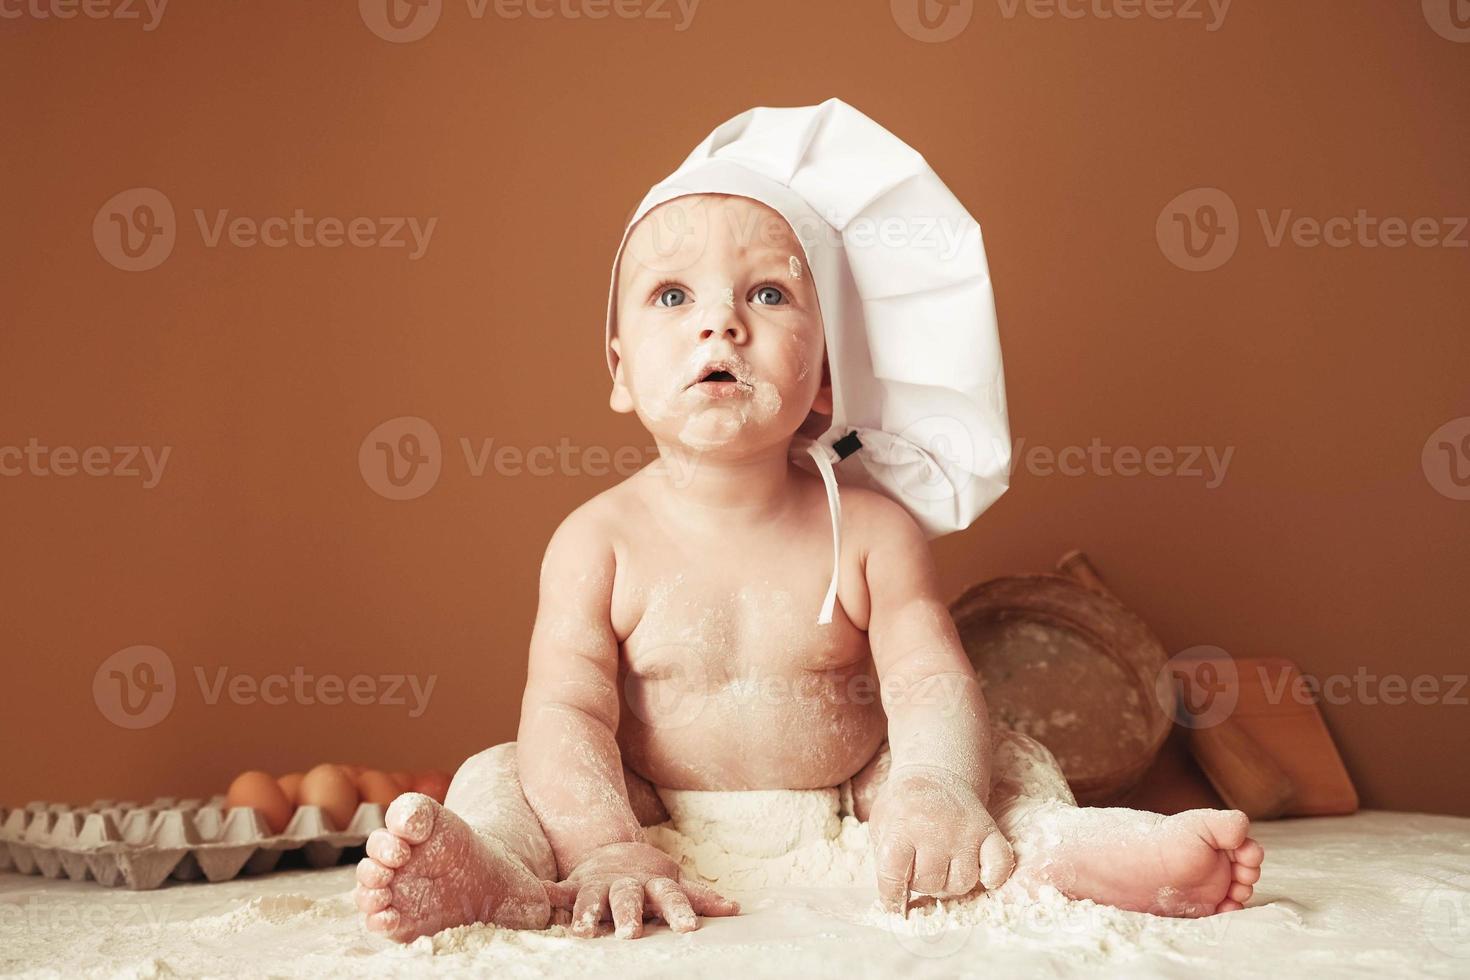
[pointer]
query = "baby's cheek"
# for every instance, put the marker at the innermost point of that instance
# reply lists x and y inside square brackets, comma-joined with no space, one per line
[799,352]
[653,377]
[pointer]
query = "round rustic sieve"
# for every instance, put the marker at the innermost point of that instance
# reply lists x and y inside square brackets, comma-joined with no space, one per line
[1064,661]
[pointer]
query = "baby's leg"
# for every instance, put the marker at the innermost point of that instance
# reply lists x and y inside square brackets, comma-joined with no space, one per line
[647,806]
[1190,864]
[478,858]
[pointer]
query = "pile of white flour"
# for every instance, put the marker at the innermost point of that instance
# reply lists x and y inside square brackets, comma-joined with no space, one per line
[751,839]
[758,839]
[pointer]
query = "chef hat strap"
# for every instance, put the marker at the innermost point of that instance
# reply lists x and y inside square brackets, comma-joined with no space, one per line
[824,456]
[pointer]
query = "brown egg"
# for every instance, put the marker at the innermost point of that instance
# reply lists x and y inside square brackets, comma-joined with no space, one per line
[352,769]
[377,787]
[258,790]
[431,782]
[290,785]
[328,787]
[403,778]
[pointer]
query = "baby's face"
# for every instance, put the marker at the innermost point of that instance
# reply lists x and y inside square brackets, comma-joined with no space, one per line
[719,339]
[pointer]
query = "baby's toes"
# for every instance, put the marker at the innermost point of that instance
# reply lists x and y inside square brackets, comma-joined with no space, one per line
[371,874]
[1224,829]
[1245,874]
[370,900]
[388,849]
[411,816]
[1249,854]
[1239,892]
[386,921]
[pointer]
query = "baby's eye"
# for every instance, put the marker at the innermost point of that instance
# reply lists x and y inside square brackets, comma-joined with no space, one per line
[768,296]
[672,296]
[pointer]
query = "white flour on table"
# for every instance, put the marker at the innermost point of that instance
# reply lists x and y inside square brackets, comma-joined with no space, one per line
[757,839]
[1377,894]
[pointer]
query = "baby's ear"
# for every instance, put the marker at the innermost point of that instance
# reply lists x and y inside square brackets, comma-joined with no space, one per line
[820,416]
[621,399]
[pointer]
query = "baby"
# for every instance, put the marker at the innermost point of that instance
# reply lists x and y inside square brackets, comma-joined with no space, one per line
[677,645]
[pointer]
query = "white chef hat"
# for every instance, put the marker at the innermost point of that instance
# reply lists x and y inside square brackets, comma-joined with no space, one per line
[919,409]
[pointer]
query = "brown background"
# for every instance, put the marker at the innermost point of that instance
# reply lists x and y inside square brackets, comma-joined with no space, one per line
[530,140]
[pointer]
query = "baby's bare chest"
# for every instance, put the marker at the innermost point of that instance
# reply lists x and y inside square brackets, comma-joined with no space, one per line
[736,623]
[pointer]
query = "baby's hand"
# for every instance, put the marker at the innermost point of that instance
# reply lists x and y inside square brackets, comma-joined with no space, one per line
[932,834]
[626,877]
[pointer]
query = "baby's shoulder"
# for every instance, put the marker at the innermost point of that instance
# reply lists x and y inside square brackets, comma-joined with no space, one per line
[595,527]
[875,520]
[584,538]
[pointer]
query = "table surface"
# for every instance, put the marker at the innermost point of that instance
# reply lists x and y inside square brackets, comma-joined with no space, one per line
[1377,893]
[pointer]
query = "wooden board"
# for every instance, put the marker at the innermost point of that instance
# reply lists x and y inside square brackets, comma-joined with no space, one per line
[1269,753]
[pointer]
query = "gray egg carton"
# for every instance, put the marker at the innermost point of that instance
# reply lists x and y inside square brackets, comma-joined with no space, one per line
[140,846]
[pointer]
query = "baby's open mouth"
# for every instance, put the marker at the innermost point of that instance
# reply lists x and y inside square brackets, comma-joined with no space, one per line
[720,379]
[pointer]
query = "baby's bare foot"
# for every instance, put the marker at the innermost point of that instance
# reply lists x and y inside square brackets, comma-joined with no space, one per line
[1191,864]
[428,871]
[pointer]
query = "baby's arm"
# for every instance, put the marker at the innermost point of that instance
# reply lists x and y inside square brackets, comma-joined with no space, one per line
[930,824]
[567,753]
[568,758]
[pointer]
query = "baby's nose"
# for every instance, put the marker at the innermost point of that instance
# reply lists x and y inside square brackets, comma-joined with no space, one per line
[724,323]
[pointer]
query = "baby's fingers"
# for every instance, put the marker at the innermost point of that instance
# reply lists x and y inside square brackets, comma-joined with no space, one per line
[626,899]
[964,872]
[560,894]
[671,904]
[931,870]
[997,860]
[895,873]
[590,909]
[706,901]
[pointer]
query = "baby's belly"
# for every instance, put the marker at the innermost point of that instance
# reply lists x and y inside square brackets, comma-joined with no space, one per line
[799,731]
